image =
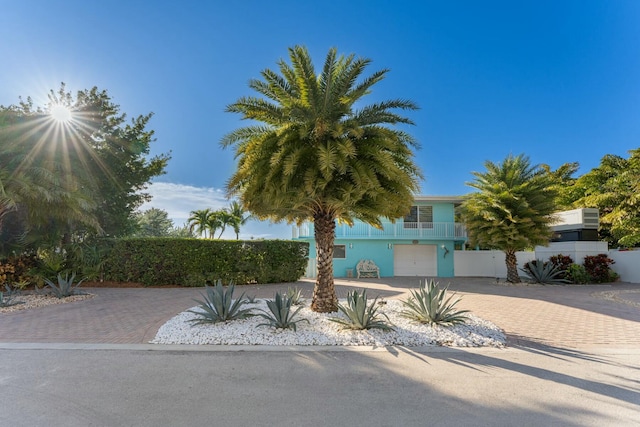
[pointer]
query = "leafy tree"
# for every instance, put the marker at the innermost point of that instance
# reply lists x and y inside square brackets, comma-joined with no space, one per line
[183,232]
[613,188]
[95,161]
[153,222]
[315,156]
[512,209]
[562,181]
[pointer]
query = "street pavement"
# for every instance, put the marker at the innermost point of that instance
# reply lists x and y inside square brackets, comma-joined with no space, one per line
[573,359]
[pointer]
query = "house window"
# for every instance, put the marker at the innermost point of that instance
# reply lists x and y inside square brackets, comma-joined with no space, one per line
[419,217]
[339,251]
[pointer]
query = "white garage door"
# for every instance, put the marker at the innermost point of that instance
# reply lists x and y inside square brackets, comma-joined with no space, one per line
[415,260]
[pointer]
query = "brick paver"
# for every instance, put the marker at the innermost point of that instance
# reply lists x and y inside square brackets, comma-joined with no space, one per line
[559,316]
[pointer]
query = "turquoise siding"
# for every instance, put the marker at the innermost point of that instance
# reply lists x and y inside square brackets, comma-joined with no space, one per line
[364,242]
[382,255]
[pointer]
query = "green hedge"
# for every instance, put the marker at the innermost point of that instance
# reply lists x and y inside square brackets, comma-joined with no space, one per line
[189,262]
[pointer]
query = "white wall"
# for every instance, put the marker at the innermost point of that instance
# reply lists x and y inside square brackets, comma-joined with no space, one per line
[576,250]
[492,263]
[627,265]
[486,263]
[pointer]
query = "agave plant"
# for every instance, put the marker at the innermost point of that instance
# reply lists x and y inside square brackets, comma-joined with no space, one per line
[430,304]
[65,287]
[360,314]
[295,295]
[280,314]
[544,272]
[8,297]
[218,305]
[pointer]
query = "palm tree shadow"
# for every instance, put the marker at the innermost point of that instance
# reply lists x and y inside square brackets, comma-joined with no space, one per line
[629,393]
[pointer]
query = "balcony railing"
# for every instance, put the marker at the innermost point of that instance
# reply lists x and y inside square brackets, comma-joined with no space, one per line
[399,230]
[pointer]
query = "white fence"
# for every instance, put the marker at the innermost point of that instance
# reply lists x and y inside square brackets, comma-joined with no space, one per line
[486,263]
[492,263]
[627,265]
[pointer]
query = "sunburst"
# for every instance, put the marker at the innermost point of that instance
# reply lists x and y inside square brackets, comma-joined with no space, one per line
[61,113]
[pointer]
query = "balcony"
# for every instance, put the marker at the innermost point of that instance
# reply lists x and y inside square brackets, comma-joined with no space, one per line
[399,230]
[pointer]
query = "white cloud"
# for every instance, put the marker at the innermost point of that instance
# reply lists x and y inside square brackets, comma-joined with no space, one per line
[178,200]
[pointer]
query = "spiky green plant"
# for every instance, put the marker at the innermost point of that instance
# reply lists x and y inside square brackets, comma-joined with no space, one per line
[295,295]
[546,273]
[251,299]
[280,315]
[360,314]
[65,287]
[8,297]
[218,305]
[430,304]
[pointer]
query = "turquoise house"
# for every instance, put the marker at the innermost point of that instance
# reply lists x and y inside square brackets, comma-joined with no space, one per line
[420,244]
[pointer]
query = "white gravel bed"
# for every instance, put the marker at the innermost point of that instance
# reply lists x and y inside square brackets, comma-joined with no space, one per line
[321,331]
[35,301]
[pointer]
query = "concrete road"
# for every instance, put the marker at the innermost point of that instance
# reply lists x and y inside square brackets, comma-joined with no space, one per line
[142,385]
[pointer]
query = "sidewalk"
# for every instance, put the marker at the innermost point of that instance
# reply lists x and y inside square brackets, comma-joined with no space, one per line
[579,317]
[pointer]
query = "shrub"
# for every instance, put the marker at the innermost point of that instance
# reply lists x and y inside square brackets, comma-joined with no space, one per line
[361,315]
[578,274]
[280,314]
[597,267]
[15,269]
[562,262]
[218,306]
[65,287]
[543,272]
[430,304]
[153,261]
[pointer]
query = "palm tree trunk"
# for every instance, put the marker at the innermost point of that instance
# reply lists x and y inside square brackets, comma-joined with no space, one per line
[324,293]
[512,267]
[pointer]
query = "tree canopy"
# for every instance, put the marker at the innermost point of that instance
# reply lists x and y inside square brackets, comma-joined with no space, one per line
[317,153]
[614,188]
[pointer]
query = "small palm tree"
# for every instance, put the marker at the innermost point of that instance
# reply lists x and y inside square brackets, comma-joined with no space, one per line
[512,209]
[198,221]
[320,154]
[214,222]
[225,219]
[239,219]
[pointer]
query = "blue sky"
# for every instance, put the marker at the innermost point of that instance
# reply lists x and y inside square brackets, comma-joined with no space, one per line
[556,80]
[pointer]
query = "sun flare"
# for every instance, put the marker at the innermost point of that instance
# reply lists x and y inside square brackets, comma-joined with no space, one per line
[61,114]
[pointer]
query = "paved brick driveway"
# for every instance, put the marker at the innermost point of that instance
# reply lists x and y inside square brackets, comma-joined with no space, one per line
[606,316]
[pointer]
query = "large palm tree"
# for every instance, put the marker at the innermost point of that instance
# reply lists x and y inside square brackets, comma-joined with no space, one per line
[315,156]
[512,209]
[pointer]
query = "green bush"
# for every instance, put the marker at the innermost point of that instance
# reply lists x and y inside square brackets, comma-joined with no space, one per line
[578,274]
[193,262]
